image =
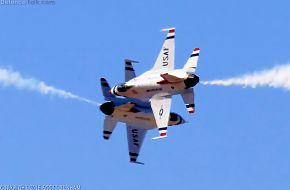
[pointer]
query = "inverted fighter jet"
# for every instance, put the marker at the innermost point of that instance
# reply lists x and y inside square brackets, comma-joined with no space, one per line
[136,114]
[162,81]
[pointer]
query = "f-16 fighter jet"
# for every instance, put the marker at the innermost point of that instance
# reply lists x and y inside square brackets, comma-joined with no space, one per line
[161,82]
[136,114]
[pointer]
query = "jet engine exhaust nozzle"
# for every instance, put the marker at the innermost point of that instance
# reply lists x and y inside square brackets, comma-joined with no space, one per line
[107,108]
[191,81]
[175,119]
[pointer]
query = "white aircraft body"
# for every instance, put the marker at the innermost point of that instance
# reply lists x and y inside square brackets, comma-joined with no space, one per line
[161,82]
[136,114]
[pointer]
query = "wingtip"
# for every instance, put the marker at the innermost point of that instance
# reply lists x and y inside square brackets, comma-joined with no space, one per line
[191,110]
[130,60]
[170,30]
[159,137]
[137,162]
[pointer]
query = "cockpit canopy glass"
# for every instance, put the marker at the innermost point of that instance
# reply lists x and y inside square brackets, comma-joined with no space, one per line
[123,87]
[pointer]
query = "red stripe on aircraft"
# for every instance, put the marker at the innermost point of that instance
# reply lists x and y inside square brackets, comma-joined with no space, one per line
[162,134]
[162,82]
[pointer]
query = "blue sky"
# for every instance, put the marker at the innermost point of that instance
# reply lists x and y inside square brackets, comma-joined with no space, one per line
[237,139]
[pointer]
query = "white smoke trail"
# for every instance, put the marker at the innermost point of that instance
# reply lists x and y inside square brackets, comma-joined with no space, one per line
[277,77]
[12,78]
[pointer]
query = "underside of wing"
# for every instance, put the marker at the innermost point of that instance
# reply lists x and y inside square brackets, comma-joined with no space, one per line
[129,70]
[125,107]
[165,59]
[135,138]
[160,105]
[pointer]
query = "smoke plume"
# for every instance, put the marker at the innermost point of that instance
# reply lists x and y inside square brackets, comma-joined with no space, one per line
[276,77]
[15,79]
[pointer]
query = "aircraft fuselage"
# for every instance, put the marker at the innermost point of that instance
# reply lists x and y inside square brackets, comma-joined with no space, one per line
[147,85]
[141,117]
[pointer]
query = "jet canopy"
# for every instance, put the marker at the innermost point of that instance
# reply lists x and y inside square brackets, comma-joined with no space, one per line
[123,87]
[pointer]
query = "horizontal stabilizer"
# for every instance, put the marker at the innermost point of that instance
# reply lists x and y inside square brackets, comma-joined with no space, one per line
[191,64]
[105,89]
[188,99]
[109,126]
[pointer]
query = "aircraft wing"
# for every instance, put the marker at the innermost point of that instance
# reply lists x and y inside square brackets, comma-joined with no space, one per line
[160,104]
[129,70]
[135,138]
[165,59]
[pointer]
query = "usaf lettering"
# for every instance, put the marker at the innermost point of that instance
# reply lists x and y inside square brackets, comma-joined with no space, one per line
[165,57]
[135,137]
